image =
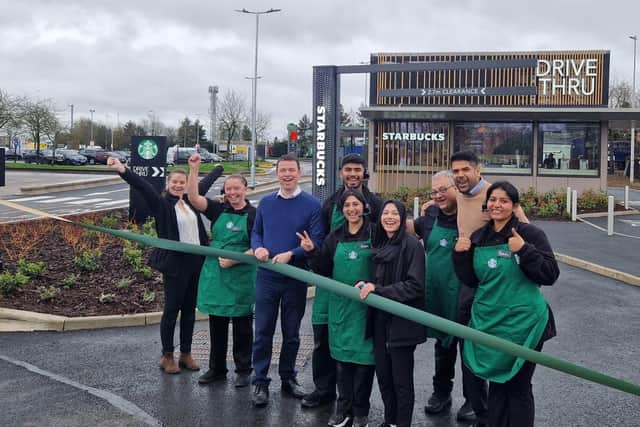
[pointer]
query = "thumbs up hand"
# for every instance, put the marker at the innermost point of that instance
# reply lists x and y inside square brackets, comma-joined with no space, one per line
[463,243]
[516,242]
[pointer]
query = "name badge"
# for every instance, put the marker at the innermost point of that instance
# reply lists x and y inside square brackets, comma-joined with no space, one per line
[236,229]
[504,254]
[364,246]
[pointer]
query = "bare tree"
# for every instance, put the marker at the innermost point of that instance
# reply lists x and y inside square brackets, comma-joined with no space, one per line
[263,123]
[9,109]
[231,116]
[40,120]
[621,94]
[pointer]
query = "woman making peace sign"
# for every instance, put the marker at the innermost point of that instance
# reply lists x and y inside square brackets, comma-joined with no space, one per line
[507,261]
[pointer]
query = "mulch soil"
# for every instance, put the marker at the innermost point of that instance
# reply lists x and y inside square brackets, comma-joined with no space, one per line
[57,244]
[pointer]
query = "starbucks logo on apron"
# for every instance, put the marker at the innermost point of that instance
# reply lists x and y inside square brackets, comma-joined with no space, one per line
[147,149]
[229,225]
[493,263]
[353,255]
[443,243]
[517,258]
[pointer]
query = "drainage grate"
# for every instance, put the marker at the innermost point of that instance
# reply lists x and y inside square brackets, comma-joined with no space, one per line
[200,348]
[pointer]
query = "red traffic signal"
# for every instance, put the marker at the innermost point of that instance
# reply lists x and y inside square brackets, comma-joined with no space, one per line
[293,135]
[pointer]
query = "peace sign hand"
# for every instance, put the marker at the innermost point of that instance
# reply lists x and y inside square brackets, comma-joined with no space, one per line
[516,242]
[463,243]
[305,241]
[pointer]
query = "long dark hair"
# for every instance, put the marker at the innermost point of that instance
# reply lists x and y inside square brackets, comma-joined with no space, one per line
[381,239]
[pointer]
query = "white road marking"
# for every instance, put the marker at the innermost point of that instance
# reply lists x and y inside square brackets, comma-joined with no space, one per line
[31,199]
[87,201]
[114,202]
[102,193]
[60,199]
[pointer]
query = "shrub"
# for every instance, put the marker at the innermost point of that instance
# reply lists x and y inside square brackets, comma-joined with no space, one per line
[590,199]
[47,293]
[9,282]
[87,260]
[133,256]
[109,221]
[31,269]
[70,281]
[123,283]
[149,227]
[106,298]
[146,271]
[149,296]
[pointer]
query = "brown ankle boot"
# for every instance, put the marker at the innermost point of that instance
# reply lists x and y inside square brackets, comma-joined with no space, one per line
[187,362]
[168,364]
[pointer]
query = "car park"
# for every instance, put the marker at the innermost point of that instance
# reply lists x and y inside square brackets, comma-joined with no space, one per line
[94,155]
[72,157]
[43,157]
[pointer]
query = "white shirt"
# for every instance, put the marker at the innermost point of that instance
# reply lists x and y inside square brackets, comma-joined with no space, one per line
[295,193]
[187,223]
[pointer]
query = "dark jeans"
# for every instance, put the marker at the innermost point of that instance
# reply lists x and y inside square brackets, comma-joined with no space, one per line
[180,295]
[354,388]
[290,297]
[511,404]
[473,388]
[323,365]
[242,341]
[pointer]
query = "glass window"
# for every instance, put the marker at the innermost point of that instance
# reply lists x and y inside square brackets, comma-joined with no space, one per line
[503,148]
[569,149]
[411,146]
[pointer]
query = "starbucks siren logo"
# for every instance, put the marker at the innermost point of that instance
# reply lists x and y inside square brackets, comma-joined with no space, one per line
[147,149]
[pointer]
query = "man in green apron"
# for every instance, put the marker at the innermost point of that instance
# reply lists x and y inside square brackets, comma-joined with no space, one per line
[353,173]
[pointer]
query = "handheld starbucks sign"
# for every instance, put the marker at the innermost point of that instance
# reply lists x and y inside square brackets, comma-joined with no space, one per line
[148,160]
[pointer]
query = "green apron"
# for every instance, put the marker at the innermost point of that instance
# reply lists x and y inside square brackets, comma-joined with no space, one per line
[319,315]
[443,286]
[508,305]
[228,292]
[348,318]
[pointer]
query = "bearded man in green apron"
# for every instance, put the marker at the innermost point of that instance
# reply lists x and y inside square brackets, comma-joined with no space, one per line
[345,256]
[226,290]
[438,229]
[353,173]
[507,261]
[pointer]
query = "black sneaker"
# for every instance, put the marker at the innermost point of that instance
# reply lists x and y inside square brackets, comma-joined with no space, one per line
[465,413]
[293,388]
[339,420]
[260,395]
[438,402]
[315,399]
[211,376]
[242,380]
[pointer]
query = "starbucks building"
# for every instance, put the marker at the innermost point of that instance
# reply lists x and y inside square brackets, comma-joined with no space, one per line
[537,119]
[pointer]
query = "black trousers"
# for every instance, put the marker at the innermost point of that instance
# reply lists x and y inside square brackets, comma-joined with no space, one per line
[322,364]
[355,382]
[242,343]
[180,294]
[511,404]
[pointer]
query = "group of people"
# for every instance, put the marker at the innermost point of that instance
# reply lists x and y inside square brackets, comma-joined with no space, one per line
[480,263]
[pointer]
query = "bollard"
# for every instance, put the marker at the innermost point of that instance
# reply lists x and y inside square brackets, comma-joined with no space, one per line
[568,200]
[416,207]
[574,205]
[626,197]
[610,217]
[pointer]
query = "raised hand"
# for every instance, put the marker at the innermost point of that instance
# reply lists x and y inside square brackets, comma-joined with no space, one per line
[426,205]
[463,243]
[194,161]
[114,163]
[516,242]
[305,241]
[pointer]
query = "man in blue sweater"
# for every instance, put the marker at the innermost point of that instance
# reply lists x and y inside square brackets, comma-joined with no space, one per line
[279,217]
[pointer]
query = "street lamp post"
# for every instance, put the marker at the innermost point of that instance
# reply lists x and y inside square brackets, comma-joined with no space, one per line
[91,138]
[632,153]
[255,92]
[152,119]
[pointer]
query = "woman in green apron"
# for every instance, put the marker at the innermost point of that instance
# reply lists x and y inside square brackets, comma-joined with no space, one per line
[507,261]
[226,287]
[346,257]
[398,274]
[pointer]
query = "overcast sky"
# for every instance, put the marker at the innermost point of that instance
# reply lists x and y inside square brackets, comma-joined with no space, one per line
[125,58]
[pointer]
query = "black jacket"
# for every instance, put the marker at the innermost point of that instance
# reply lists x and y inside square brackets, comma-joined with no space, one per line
[163,208]
[537,260]
[374,206]
[402,280]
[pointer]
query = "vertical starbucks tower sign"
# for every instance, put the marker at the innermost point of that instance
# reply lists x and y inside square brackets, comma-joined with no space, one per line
[149,161]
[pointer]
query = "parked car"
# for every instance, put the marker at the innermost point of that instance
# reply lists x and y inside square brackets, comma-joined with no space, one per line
[43,157]
[123,154]
[209,157]
[117,154]
[72,157]
[94,155]
[11,154]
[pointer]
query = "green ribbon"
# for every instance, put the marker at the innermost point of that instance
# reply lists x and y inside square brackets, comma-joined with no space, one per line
[393,307]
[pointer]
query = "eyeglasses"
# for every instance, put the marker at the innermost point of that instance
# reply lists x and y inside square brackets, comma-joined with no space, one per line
[441,190]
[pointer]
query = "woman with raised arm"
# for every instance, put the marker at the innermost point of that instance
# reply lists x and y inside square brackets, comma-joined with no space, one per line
[226,290]
[507,261]
[175,220]
[398,274]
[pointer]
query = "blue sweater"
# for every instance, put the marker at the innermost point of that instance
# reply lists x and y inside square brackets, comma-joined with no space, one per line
[278,220]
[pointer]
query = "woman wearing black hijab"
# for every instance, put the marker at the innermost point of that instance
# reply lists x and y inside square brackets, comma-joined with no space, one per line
[398,272]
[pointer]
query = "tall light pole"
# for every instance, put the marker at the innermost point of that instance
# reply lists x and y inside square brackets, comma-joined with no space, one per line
[152,119]
[91,110]
[255,93]
[71,125]
[633,125]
